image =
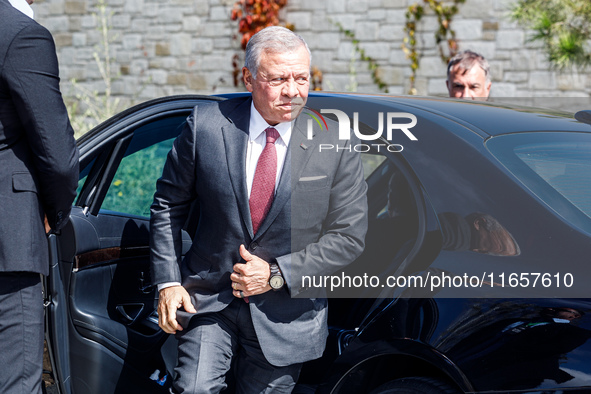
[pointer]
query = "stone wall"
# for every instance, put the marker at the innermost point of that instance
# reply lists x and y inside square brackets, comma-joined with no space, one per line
[188,46]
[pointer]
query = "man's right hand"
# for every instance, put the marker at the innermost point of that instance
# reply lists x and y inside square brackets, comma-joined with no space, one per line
[170,299]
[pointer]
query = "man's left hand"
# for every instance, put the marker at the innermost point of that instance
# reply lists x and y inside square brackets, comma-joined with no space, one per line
[250,278]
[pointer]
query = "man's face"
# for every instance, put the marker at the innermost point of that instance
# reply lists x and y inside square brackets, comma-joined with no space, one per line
[468,84]
[280,88]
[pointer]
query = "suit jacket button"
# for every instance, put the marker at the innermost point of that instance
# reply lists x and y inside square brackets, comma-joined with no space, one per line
[253,246]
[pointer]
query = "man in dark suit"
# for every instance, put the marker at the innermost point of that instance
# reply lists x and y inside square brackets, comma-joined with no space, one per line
[38,178]
[272,208]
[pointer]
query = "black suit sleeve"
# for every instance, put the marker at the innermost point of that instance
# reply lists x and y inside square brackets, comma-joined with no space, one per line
[31,73]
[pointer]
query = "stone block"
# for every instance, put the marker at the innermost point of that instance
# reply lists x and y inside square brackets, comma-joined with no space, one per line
[301,20]
[503,89]
[436,87]
[377,50]
[356,6]
[75,7]
[376,15]
[219,13]
[57,24]
[215,29]
[480,9]
[159,77]
[166,63]
[136,6]
[170,15]
[569,81]
[515,76]
[467,29]
[346,51]
[197,82]
[397,16]
[322,40]
[542,80]
[55,8]
[180,44]
[523,60]
[489,36]
[432,67]
[394,3]
[176,79]
[88,22]
[120,21]
[132,41]
[312,5]
[391,33]
[391,75]
[398,58]
[496,71]
[63,39]
[203,45]
[488,25]
[163,49]
[201,7]
[367,31]
[79,39]
[335,6]
[191,23]
[347,21]
[510,39]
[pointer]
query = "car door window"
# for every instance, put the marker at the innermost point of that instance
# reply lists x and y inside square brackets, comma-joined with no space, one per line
[132,187]
[134,184]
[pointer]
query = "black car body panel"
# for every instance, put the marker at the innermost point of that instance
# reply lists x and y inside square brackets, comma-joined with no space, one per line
[103,332]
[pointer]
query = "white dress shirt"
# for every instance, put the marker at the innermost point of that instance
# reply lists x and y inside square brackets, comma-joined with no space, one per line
[23,7]
[257,139]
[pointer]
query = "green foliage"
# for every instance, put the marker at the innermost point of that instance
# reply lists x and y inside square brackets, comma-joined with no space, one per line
[563,26]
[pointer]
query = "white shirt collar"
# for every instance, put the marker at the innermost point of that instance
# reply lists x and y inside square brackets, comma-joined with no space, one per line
[23,7]
[258,125]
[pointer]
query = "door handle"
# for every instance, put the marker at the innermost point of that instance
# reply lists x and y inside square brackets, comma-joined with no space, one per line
[130,312]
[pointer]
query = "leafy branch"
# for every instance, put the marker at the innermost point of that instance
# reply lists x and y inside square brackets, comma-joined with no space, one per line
[372,64]
[444,34]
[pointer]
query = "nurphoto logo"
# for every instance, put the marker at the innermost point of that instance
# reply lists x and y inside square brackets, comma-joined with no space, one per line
[345,129]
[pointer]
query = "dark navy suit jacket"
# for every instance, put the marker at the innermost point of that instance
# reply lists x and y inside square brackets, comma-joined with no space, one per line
[38,154]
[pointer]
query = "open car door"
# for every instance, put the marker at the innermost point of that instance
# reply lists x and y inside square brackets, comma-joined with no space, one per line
[103,332]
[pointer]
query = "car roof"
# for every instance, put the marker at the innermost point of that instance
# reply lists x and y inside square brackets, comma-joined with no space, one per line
[485,118]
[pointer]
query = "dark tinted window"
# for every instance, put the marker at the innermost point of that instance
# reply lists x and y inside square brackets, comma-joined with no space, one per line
[554,166]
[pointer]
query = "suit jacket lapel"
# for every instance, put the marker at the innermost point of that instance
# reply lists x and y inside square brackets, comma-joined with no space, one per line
[235,142]
[298,153]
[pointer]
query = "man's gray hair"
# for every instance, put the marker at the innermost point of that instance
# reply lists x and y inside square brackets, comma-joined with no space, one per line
[274,39]
[466,60]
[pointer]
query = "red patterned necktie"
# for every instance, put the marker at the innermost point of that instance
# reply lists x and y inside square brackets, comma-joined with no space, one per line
[263,184]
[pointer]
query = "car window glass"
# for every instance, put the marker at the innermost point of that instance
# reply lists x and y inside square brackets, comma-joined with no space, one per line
[370,162]
[134,184]
[132,188]
[556,167]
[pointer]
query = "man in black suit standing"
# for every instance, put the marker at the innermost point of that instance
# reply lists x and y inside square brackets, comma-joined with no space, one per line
[272,207]
[38,179]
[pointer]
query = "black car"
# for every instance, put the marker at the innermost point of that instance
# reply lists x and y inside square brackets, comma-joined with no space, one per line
[475,266]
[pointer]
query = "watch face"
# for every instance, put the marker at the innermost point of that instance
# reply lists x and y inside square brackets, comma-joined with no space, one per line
[276,282]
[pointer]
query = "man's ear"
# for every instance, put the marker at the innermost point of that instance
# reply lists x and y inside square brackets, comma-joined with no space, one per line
[248,78]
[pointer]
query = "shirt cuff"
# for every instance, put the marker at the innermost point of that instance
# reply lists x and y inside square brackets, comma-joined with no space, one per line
[167,284]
